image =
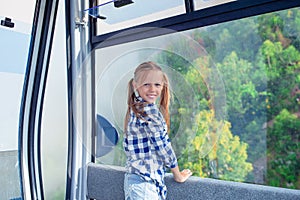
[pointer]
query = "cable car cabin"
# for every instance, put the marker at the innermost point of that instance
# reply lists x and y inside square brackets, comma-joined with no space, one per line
[233,68]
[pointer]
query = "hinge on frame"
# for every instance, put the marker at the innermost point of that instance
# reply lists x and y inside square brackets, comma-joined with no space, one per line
[81,23]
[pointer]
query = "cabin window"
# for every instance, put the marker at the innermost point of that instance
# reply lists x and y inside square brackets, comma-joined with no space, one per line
[235,86]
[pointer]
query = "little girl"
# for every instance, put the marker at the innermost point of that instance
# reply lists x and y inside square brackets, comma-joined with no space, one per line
[146,142]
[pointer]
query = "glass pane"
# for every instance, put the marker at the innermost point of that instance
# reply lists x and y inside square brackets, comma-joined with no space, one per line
[55,119]
[134,13]
[15,29]
[235,87]
[200,4]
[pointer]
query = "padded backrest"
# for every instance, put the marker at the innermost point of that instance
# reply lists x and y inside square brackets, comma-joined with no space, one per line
[106,183]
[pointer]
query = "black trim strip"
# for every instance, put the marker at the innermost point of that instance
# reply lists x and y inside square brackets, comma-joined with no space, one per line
[189,6]
[213,15]
[92,31]
[70,61]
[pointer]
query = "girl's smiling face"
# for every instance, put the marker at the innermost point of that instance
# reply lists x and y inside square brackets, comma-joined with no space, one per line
[150,85]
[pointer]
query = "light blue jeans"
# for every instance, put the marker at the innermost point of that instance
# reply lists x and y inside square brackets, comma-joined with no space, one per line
[136,188]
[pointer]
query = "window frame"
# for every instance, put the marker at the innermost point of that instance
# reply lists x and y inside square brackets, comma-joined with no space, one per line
[191,19]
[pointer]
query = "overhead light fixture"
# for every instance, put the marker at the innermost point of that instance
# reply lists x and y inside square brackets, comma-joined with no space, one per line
[120,3]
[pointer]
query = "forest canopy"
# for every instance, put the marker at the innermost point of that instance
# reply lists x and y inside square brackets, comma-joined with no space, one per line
[258,59]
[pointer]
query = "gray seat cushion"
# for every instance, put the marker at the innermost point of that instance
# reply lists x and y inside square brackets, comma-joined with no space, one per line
[105,182]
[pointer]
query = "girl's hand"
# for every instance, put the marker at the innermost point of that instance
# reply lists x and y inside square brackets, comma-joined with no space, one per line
[182,176]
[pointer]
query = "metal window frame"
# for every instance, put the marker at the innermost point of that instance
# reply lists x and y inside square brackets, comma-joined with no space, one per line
[75,183]
[191,19]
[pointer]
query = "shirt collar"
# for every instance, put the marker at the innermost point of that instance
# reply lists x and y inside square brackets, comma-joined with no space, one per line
[140,99]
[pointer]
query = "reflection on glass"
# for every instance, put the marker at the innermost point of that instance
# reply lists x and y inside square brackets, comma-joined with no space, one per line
[200,4]
[106,136]
[235,110]
[112,18]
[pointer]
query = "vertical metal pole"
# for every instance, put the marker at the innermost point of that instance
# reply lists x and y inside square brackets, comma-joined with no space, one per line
[80,95]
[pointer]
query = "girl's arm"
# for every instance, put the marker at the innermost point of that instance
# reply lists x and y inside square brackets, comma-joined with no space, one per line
[180,176]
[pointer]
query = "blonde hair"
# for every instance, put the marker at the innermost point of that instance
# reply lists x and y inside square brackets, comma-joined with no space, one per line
[138,107]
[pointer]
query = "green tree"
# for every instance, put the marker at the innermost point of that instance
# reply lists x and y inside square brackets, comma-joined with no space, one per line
[283,66]
[245,85]
[214,152]
[284,151]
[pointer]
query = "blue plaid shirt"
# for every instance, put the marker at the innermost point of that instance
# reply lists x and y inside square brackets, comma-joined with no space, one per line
[148,147]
